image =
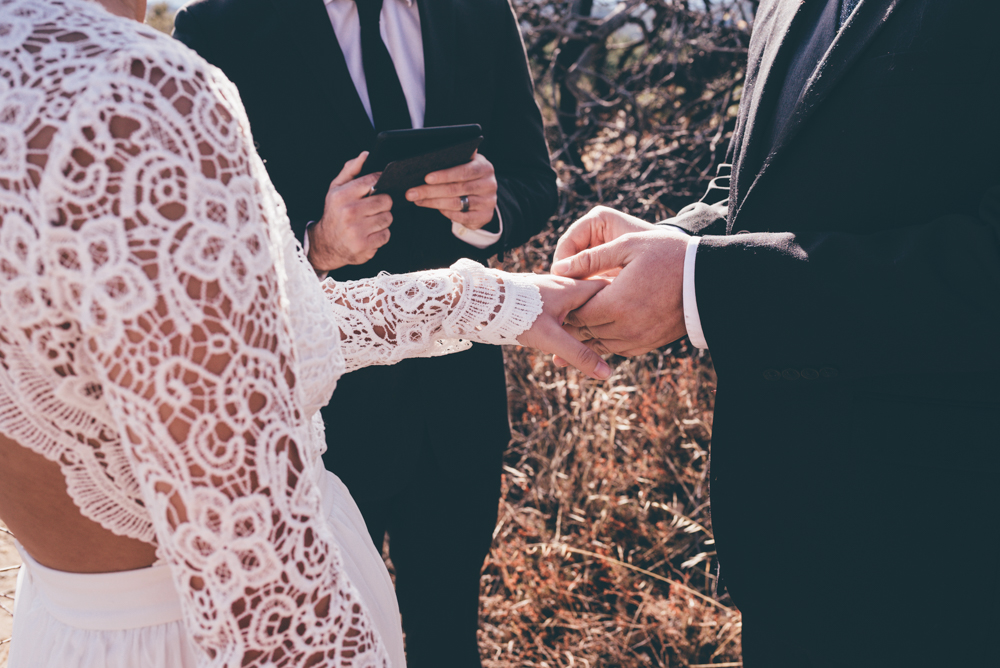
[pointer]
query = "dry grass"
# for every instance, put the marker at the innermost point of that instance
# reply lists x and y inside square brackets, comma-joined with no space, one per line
[9,560]
[603,552]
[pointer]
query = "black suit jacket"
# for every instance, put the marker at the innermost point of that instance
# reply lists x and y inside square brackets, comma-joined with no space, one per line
[307,120]
[849,291]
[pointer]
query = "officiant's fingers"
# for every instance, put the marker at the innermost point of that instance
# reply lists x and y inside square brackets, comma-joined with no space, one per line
[350,170]
[477,168]
[370,206]
[378,222]
[455,204]
[379,238]
[486,187]
[359,188]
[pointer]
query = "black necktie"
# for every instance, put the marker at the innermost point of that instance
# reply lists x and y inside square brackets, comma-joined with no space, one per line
[389,110]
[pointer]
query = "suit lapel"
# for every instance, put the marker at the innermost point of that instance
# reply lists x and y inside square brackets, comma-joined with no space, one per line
[769,44]
[437,26]
[314,38]
[850,42]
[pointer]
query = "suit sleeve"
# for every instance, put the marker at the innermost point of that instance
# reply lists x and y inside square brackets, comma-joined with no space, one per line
[855,305]
[526,194]
[199,26]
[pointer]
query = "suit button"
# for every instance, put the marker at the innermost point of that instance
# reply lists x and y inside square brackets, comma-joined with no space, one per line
[810,374]
[772,374]
[828,372]
[790,374]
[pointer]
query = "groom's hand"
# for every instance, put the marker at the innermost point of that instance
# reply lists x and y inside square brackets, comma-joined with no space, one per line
[643,307]
[354,225]
[598,227]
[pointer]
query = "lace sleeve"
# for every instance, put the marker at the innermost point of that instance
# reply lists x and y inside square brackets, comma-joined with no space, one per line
[164,248]
[429,313]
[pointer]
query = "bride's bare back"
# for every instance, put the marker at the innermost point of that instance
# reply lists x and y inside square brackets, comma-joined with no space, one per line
[34,502]
[35,506]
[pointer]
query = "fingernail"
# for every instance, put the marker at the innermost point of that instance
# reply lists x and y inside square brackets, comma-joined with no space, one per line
[411,196]
[560,266]
[603,371]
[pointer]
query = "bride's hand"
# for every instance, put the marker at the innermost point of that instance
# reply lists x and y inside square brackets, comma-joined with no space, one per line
[559,297]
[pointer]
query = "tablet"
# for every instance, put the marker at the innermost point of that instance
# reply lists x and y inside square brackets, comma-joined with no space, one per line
[401,175]
[402,144]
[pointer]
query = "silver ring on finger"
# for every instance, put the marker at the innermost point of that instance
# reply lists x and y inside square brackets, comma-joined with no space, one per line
[464,199]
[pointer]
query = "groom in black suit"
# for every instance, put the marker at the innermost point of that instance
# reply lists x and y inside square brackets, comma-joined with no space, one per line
[418,444]
[848,288]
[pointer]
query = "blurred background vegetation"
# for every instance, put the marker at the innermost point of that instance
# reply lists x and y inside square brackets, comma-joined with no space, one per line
[603,551]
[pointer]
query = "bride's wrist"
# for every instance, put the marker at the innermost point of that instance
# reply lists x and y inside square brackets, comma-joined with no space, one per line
[496,306]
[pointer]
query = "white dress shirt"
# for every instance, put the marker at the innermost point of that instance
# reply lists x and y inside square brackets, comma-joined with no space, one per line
[399,25]
[691,318]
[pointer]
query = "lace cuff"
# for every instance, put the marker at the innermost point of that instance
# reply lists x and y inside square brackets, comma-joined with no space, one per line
[430,313]
[496,307]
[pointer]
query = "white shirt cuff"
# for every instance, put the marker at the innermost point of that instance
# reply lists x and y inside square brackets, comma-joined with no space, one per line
[479,238]
[691,318]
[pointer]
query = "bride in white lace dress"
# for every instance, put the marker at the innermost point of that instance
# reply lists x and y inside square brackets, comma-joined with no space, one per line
[159,392]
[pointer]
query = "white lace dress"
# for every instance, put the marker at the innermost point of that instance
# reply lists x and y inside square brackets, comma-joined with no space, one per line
[163,339]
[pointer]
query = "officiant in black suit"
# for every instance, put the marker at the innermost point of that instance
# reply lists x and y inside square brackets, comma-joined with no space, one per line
[848,288]
[418,444]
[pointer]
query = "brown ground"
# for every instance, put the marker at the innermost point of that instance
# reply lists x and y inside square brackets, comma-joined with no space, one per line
[8,577]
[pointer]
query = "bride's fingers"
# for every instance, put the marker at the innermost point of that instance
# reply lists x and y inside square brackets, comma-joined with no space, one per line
[574,353]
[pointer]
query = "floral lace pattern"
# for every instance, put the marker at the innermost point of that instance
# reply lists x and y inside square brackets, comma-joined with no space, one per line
[148,343]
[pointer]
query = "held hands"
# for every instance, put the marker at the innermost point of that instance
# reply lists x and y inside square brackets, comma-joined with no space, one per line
[353,226]
[475,181]
[559,297]
[642,309]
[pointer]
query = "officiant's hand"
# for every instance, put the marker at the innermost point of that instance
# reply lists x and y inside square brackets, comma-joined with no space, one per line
[643,307]
[353,226]
[466,194]
[559,297]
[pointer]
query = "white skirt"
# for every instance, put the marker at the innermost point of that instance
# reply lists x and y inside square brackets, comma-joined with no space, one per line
[133,618]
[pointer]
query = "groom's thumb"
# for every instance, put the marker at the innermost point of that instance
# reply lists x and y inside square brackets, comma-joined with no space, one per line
[594,261]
